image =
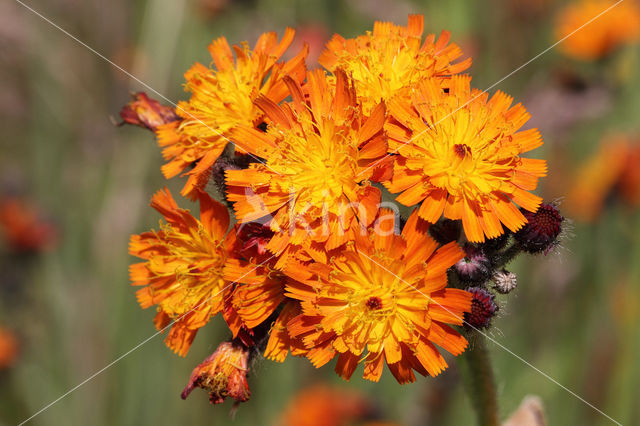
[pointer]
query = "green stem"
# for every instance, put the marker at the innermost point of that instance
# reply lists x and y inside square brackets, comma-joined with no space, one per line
[507,256]
[479,381]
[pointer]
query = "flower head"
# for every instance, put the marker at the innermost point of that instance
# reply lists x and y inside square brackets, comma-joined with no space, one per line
[314,183]
[183,271]
[459,154]
[222,99]
[223,374]
[322,405]
[392,59]
[541,232]
[146,112]
[23,229]
[612,170]
[609,27]
[483,308]
[384,298]
[475,267]
[8,348]
[504,281]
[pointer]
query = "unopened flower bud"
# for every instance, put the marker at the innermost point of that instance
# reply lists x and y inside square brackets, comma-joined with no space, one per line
[223,374]
[483,308]
[497,243]
[220,167]
[504,281]
[541,232]
[475,267]
[445,231]
[146,112]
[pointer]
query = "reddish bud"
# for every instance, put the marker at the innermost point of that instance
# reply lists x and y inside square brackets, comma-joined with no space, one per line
[475,267]
[540,234]
[146,112]
[223,374]
[483,308]
[445,231]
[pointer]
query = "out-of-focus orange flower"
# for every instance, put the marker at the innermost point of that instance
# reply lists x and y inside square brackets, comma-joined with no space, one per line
[613,169]
[313,186]
[8,348]
[223,374]
[222,99]
[629,182]
[383,298]
[617,26]
[392,59]
[146,112]
[212,8]
[459,154]
[321,405]
[315,35]
[183,271]
[22,227]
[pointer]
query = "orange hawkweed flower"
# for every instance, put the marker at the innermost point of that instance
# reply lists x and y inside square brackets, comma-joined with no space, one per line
[392,59]
[617,26]
[223,374]
[613,169]
[459,154]
[8,348]
[314,184]
[222,99]
[322,405]
[23,229]
[145,112]
[384,298]
[183,271]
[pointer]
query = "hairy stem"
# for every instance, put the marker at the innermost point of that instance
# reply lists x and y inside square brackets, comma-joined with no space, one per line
[479,381]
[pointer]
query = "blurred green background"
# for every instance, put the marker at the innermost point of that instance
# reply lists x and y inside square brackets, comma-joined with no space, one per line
[574,314]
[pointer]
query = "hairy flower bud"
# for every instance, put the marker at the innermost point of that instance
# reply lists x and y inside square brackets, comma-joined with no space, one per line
[475,267]
[492,245]
[146,112]
[483,308]
[218,170]
[223,374]
[445,231]
[504,281]
[540,234]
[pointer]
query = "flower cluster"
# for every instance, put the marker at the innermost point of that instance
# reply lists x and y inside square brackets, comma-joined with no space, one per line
[319,262]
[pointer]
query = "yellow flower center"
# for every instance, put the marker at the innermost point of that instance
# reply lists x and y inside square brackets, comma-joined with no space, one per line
[373,299]
[319,170]
[461,152]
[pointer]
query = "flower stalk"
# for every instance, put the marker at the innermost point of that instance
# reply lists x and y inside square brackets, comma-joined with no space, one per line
[479,380]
